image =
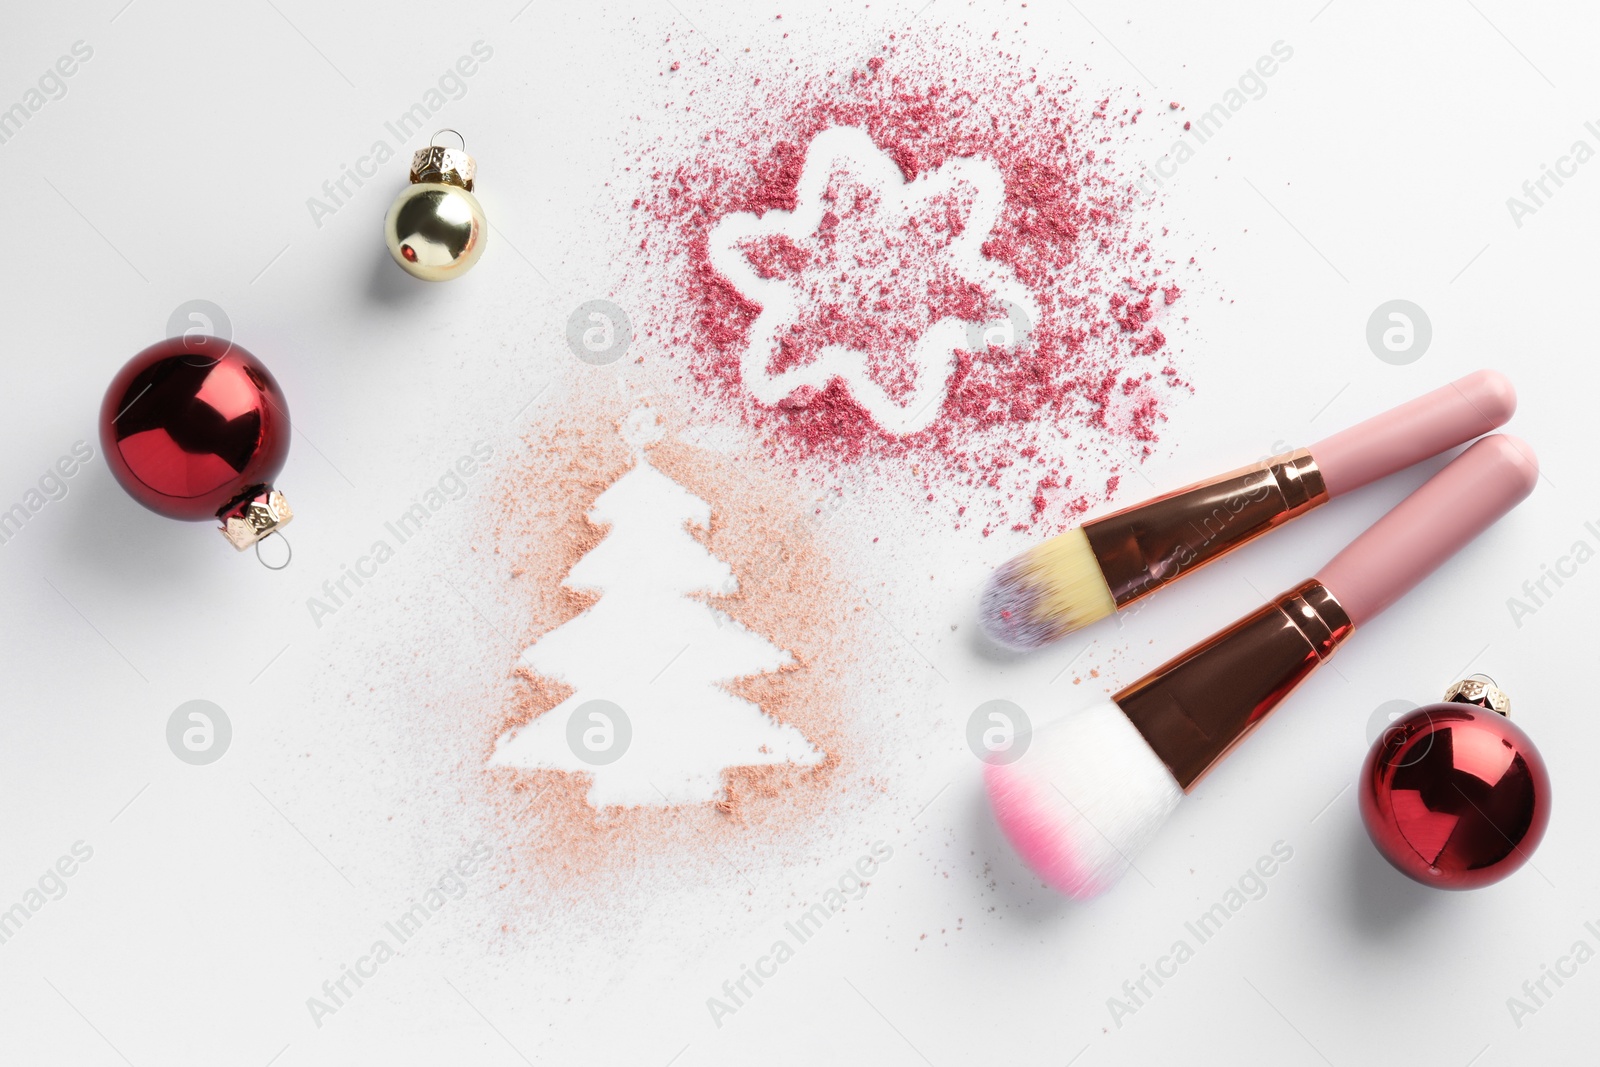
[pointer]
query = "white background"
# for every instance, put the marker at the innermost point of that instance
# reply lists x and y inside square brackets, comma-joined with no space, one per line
[178,165]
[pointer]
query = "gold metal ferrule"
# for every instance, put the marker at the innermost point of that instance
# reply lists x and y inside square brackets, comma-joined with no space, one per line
[1143,547]
[1195,708]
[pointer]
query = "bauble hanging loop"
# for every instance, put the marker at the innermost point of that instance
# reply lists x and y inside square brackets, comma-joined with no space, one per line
[436,228]
[1454,795]
[194,435]
[288,550]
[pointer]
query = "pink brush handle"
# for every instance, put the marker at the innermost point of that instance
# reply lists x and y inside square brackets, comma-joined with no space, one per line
[1410,433]
[1430,526]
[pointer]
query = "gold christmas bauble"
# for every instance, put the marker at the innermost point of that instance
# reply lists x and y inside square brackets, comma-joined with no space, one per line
[436,228]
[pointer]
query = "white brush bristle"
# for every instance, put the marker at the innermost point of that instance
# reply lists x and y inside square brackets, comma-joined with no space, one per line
[1046,593]
[1083,800]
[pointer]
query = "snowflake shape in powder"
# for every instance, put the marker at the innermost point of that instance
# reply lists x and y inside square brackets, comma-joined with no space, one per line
[872,280]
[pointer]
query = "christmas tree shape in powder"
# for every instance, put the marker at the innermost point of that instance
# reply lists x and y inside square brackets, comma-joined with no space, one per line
[649,718]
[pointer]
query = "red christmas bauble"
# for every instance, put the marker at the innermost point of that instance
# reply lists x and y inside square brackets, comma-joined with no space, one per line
[196,428]
[1455,796]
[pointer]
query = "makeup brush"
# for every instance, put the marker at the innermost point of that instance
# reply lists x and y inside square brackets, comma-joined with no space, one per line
[1092,789]
[1085,574]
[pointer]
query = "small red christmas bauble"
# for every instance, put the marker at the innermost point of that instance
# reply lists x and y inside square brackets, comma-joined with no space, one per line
[196,428]
[1455,796]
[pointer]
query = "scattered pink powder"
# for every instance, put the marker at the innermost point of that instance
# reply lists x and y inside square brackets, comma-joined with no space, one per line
[1087,388]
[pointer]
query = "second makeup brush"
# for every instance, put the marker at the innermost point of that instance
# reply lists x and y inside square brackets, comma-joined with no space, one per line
[1101,567]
